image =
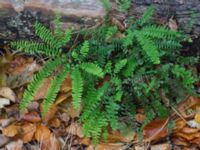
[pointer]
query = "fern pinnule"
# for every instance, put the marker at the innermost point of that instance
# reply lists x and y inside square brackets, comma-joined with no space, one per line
[119,65]
[54,89]
[46,35]
[92,69]
[149,47]
[84,49]
[77,88]
[37,82]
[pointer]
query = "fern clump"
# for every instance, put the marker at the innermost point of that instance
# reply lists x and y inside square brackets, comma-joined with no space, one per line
[112,75]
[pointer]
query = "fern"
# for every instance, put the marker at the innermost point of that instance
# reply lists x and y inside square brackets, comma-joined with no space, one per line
[32,47]
[92,69]
[54,89]
[77,88]
[46,35]
[85,49]
[119,65]
[149,48]
[124,5]
[38,79]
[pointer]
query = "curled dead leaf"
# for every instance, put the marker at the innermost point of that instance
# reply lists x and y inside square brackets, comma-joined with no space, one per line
[32,117]
[50,114]
[67,85]
[42,133]
[155,130]
[8,93]
[28,131]
[11,130]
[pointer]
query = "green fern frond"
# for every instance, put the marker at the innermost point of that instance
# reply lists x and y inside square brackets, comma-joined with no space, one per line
[84,49]
[168,44]
[131,66]
[57,26]
[110,32]
[46,35]
[106,4]
[112,113]
[149,47]
[124,5]
[92,69]
[32,47]
[54,89]
[66,38]
[119,65]
[160,32]
[146,17]
[37,82]
[77,88]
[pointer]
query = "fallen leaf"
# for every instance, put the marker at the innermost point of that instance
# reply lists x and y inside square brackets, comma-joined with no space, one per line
[4,140]
[55,123]
[85,141]
[16,145]
[117,136]
[42,133]
[187,103]
[6,121]
[155,130]
[180,124]
[180,141]
[42,91]
[50,114]
[21,73]
[67,85]
[11,130]
[4,102]
[61,97]
[197,118]
[188,137]
[32,117]
[110,146]
[28,131]
[188,130]
[8,93]
[165,146]
[64,117]
[75,129]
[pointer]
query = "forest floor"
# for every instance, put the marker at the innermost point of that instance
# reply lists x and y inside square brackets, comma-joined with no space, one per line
[60,128]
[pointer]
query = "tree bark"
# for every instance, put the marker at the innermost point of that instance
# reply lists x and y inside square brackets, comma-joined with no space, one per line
[185,12]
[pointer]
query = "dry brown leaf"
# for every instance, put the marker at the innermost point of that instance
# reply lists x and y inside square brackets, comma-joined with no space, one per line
[85,141]
[155,130]
[8,93]
[11,130]
[197,118]
[180,141]
[75,129]
[188,130]
[15,145]
[188,137]
[62,97]
[180,124]
[55,123]
[32,117]
[42,91]
[50,114]
[116,136]
[186,104]
[110,146]
[28,132]
[42,133]
[165,146]
[50,144]
[67,85]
